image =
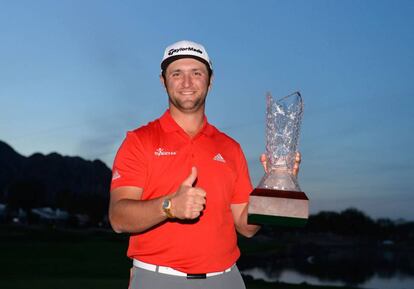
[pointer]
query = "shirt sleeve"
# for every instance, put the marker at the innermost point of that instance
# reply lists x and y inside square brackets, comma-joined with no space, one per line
[130,164]
[243,186]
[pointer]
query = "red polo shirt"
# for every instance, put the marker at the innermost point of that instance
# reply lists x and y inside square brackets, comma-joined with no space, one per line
[158,157]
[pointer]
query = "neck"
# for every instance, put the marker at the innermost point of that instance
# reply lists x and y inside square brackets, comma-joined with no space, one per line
[191,123]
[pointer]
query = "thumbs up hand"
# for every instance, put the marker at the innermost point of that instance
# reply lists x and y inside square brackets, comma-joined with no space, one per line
[188,202]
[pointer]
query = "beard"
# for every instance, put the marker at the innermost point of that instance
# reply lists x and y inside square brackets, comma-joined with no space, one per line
[188,105]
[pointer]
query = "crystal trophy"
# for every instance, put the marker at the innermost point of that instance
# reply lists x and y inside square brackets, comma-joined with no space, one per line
[278,199]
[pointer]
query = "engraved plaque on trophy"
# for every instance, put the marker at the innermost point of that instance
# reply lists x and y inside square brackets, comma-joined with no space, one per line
[278,199]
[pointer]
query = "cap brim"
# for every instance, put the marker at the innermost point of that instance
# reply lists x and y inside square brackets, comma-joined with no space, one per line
[168,61]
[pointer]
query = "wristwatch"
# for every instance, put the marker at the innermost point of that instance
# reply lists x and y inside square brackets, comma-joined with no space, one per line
[166,206]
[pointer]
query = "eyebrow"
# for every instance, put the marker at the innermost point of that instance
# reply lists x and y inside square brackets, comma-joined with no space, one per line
[193,69]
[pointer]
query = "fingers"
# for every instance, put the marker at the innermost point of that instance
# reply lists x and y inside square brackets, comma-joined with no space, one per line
[296,165]
[263,160]
[188,202]
[295,169]
[189,181]
[192,204]
[193,215]
[298,159]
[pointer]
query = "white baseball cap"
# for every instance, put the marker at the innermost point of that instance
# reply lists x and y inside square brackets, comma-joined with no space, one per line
[185,49]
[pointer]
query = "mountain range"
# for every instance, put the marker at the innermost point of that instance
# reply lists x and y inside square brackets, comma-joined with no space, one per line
[54,180]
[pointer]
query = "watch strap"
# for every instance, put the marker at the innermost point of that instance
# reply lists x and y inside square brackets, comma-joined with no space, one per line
[166,206]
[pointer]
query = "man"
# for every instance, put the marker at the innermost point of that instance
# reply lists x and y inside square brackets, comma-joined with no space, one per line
[181,187]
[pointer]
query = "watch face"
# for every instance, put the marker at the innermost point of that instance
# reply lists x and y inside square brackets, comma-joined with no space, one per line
[166,204]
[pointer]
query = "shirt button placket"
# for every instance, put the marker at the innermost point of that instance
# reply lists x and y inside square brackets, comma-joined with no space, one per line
[192,152]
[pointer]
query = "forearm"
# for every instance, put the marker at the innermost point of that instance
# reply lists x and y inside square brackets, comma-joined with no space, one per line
[240,221]
[246,229]
[135,216]
[129,214]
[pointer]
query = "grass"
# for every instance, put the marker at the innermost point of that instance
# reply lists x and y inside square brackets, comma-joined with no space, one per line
[64,283]
[49,258]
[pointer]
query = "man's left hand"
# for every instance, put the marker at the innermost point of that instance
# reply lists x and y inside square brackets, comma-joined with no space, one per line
[296,165]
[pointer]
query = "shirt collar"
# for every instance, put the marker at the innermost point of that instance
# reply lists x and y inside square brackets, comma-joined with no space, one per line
[168,124]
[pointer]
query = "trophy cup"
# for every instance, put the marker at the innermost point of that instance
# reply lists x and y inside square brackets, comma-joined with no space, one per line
[278,199]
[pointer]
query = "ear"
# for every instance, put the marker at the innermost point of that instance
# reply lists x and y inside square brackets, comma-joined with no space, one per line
[162,81]
[211,82]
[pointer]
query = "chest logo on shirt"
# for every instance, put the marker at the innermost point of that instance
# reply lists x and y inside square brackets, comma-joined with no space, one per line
[218,157]
[160,152]
[115,175]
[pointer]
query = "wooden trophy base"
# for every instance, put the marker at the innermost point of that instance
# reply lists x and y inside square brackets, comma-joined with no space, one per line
[276,207]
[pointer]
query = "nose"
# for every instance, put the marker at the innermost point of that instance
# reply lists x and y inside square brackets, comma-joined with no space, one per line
[187,81]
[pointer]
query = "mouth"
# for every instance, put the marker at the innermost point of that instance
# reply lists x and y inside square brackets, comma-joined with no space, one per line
[187,92]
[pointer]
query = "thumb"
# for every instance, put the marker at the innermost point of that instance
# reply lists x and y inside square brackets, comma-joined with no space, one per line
[189,181]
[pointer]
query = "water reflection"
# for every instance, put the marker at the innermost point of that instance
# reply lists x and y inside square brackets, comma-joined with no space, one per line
[293,277]
[362,266]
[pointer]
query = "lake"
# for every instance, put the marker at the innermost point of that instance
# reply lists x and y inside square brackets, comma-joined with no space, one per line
[369,266]
[397,281]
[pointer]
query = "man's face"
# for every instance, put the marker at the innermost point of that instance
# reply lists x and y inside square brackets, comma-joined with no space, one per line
[187,83]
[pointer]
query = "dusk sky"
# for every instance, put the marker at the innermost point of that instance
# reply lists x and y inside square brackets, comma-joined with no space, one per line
[75,76]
